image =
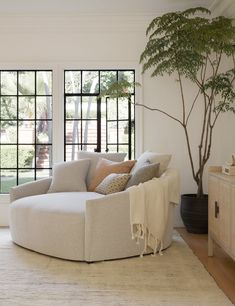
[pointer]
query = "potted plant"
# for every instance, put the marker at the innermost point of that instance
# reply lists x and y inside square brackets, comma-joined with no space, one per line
[191,45]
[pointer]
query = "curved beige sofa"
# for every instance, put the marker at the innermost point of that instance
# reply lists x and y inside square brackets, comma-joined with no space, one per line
[83,226]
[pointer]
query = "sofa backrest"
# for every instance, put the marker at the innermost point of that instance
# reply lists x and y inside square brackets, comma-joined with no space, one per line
[94,157]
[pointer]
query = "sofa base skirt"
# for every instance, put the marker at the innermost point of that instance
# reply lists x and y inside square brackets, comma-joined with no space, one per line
[85,235]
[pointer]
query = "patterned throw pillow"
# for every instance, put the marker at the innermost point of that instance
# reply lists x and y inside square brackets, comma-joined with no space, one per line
[114,182]
[105,167]
[144,174]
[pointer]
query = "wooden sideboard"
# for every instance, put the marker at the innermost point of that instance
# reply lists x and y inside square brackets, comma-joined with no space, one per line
[221,193]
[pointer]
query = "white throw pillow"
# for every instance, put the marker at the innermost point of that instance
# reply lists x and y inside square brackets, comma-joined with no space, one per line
[152,157]
[70,176]
[94,158]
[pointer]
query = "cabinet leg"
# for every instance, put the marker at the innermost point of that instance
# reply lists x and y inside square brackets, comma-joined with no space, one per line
[210,245]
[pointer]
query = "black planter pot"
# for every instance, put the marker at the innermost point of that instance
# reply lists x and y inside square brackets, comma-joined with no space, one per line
[194,213]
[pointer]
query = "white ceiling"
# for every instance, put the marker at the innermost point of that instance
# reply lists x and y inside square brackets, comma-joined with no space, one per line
[126,7]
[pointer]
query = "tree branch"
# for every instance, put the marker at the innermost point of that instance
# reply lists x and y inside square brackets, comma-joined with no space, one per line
[158,110]
[190,153]
[182,96]
[212,66]
[192,106]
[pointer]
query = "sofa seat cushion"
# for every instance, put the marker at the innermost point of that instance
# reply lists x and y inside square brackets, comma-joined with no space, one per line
[53,224]
[61,202]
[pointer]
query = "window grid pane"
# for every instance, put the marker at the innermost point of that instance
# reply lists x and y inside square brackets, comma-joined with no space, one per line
[25,126]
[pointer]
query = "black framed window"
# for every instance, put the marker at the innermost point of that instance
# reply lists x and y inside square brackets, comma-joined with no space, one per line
[94,124]
[25,126]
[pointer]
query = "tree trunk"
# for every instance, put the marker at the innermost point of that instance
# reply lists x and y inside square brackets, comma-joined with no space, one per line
[200,186]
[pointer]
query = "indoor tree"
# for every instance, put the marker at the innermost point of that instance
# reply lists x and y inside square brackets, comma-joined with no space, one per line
[191,45]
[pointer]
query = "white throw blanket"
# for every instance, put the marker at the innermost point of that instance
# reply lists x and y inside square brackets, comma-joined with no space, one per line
[149,204]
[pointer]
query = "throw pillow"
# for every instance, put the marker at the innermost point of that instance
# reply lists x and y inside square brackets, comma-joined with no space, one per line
[152,157]
[70,176]
[94,157]
[144,174]
[114,182]
[105,167]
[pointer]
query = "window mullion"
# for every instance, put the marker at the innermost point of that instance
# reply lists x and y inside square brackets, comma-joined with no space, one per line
[17,129]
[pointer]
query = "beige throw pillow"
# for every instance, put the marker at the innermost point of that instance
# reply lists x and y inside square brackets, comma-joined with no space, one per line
[70,176]
[114,182]
[105,167]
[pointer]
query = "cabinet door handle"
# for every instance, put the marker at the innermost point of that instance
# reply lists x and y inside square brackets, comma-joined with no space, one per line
[216,209]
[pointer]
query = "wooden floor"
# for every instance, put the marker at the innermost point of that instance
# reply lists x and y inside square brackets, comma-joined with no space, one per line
[220,266]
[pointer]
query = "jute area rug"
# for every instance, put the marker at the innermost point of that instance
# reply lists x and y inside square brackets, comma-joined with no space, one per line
[175,279]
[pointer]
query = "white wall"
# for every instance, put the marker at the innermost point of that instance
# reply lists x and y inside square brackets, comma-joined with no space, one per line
[105,41]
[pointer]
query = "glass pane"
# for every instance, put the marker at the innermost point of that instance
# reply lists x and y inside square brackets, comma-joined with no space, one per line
[73,108]
[26,107]
[8,180]
[8,107]
[90,82]
[44,108]
[43,156]
[8,131]
[26,156]
[103,126]
[123,149]
[89,107]
[26,83]
[44,82]
[112,109]
[132,108]
[8,156]
[89,131]
[89,148]
[126,75]
[123,131]
[26,132]
[72,81]
[72,152]
[8,82]
[112,148]
[25,176]
[44,132]
[132,140]
[103,110]
[123,108]
[43,173]
[107,78]
[112,132]
[73,131]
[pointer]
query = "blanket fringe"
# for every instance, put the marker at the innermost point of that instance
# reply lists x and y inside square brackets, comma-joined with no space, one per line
[139,231]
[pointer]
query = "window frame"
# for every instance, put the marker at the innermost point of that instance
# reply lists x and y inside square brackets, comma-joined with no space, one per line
[81,94]
[34,120]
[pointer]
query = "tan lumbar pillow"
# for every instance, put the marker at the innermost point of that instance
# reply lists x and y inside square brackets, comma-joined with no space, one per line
[105,167]
[95,157]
